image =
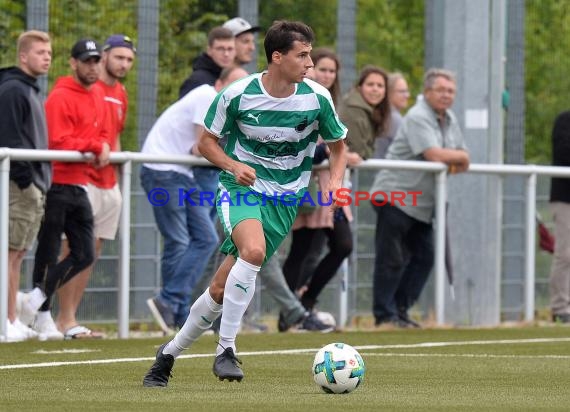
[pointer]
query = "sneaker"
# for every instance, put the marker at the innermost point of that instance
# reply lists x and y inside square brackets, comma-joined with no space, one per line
[282,325]
[27,331]
[162,314]
[311,323]
[160,371]
[13,334]
[226,366]
[24,311]
[45,327]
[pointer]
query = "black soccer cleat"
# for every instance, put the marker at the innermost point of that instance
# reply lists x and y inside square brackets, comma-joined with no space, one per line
[226,366]
[160,371]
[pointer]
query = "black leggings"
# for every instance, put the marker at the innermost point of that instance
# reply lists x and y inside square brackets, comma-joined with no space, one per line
[340,247]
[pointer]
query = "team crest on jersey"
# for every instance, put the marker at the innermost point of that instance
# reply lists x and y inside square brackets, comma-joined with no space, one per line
[302,126]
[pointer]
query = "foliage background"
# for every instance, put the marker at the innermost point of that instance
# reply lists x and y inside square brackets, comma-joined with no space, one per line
[389,34]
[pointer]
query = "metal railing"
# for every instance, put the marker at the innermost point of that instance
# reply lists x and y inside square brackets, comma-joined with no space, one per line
[126,159]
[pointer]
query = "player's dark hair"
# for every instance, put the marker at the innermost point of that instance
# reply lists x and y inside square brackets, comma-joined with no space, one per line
[282,34]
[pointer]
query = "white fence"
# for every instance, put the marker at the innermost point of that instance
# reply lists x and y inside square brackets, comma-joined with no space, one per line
[126,159]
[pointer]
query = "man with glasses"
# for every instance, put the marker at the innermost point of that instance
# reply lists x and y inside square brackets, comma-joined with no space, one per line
[404,233]
[206,68]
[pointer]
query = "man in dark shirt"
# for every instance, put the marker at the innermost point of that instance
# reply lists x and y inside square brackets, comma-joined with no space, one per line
[560,204]
[207,67]
[23,126]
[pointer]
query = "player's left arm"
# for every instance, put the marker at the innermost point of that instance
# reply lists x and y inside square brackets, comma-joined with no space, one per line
[337,166]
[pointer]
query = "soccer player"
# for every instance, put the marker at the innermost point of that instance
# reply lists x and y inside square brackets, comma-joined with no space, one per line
[272,120]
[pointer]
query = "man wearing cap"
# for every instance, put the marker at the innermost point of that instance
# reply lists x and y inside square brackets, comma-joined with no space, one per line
[206,68]
[75,115]
[245,41]
[102,189]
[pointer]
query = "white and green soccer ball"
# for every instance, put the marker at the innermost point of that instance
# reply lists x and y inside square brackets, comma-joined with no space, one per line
[338,368]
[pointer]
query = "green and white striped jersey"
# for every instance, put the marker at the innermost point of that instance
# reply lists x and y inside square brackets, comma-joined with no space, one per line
[275,136]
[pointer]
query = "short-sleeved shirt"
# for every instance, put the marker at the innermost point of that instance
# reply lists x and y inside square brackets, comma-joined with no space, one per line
[174,132]
[419,132]
[275,136]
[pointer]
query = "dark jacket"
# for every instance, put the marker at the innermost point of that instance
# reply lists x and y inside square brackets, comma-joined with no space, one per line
[356,115]
[560,187]
[204,71]
[23,126]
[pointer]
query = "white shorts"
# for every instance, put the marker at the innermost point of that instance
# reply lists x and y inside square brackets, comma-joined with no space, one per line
[106,205]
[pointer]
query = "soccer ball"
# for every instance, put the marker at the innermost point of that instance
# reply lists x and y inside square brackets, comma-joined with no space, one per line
[338,368]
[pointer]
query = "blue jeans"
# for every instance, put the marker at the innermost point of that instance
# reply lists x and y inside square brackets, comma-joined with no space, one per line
[207,179]
[404,259]
[189,235]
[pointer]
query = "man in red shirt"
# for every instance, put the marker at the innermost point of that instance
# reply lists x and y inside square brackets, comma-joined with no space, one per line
[75,114]
[102,189]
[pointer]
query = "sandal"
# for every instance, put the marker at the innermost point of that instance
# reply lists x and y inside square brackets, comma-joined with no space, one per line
[81,332]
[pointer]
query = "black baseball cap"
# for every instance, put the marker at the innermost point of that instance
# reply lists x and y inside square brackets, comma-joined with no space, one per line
[84,49]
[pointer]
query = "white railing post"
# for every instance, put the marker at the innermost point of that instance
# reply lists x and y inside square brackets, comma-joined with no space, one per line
[530,227]
[440,202]
[125,252]
[4,223]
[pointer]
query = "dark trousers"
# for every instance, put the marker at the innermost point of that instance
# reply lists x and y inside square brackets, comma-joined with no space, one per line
[340,247]
[404,259]
[67,211]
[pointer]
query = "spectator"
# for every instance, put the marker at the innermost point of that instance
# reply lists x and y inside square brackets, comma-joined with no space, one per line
[102,189]
[560,205]
[252,165]
[23,126]
[76,121]
[398,95]
[245,40]
[366,111]
[404,233]
[188,231]
[206,68]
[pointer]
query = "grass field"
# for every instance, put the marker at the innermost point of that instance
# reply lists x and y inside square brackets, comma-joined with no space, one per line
[433,370]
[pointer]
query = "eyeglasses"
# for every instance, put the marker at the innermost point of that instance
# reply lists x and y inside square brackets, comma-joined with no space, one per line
[403,91]
[442,90]
[221,49]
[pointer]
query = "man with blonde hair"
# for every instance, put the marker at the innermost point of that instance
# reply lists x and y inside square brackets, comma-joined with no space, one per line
[23,126]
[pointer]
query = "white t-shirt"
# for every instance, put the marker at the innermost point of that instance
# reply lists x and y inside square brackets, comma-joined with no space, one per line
[173,133]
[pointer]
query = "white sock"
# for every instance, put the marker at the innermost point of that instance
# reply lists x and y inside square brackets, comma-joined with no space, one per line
[239,290]
[202,314]
[37,298]
[43,316]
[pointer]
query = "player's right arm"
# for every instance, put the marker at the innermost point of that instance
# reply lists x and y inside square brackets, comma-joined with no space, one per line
[211,150]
